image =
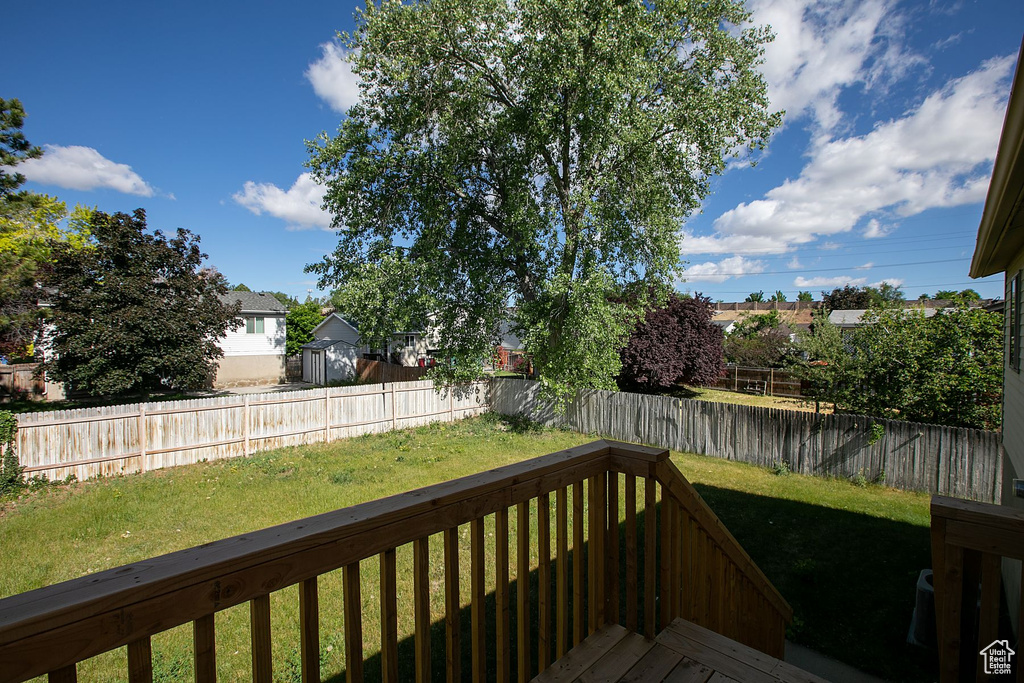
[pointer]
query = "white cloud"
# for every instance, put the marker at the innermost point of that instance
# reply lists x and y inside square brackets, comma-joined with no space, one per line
[794,263]
[83,168]
[866,266]
[822,47]
[299,205]
[937,155]
[875,229]
[332,78]
[736,266]
[829,282]
[732,244]
[892,281]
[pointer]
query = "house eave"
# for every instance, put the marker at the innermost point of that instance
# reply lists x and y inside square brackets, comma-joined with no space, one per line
[1001,232]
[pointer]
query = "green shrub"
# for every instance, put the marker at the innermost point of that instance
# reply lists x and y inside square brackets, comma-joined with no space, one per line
[10,469]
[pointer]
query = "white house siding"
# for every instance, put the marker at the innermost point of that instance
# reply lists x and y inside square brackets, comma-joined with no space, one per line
[253,359]
[270,343]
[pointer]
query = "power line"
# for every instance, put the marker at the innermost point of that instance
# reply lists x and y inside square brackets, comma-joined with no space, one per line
[832,270]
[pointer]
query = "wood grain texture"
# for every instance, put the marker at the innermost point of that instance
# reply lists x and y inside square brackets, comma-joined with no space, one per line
[205,648]
[353,606]
[421,607]
[478,600]
[389,616]
[524,664]
[260,637]
[544,581]
[140,661]
[452,606]
[562,614]
[502,636]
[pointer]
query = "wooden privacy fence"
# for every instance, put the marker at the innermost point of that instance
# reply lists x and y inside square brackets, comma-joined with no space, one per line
[379,371]
[140,437]
[969,543]
[19,381]
[676,559]
[951,461]
[769,381]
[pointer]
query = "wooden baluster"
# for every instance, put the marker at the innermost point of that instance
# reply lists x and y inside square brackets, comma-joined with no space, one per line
[140,661]
[686,565]
[388,617]
[259,618]
[665,530]
[969,614]
[421,607]
[452,603]
[595,555]
[479,590]
[353,606]
[988,626]
[733,630]
[715,588]
[501,626]
[205,645]
[562,573]
[577,564]
[649,554]
[67,674]
[705,582]
[672,507]
[309,631]
[631,576]
[523,660]
[611,566]
[543,581]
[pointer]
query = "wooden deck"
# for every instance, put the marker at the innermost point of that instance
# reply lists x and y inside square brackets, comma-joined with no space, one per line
[683,653]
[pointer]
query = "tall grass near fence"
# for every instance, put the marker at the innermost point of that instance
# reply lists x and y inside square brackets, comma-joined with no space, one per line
[139,437]
[964,463]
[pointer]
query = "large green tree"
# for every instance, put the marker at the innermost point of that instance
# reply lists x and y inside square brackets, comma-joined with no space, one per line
[945,369]
[14,147]
[302,319]
[135,311]
[539,155]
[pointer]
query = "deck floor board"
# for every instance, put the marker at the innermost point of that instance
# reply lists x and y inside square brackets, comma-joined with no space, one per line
[682,653]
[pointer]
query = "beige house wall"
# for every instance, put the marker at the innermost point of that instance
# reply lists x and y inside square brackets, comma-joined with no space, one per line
[243,371]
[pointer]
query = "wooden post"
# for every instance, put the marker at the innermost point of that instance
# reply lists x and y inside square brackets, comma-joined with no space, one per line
[142,437]
[245,426]
[394,416]
[451,404]
[327,415]
[771,381]
[735,378]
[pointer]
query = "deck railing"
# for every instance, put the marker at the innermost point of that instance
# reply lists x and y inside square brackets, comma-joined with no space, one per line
[686,564]
[969,541]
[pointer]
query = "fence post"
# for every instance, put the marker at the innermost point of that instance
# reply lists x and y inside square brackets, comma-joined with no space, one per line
[394,415]
[771,381]
[327,415]
[735,378]
[245,426]
[451,404]
[142,437]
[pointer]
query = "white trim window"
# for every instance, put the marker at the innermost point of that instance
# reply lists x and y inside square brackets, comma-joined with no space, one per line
[254,324]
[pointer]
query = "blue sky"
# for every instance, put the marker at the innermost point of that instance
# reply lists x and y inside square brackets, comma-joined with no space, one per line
[197,112]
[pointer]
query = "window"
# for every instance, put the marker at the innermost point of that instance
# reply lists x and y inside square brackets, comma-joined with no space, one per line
[1013,320]
[410,340]
[254,325]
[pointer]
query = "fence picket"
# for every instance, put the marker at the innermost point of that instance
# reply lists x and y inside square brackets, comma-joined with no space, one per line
[945,460]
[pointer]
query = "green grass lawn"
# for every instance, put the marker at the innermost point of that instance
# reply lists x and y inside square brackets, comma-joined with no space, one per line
[844,556]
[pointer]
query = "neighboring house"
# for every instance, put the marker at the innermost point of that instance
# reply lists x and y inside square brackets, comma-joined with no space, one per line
[1000,249]
[847,320]
[510,349]
[333,353]
[254,352]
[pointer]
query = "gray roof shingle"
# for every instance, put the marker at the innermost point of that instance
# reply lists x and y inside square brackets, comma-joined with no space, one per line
[255,302]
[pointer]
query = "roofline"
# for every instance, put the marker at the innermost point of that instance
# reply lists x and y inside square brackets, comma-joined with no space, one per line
[335,315]
[995,246]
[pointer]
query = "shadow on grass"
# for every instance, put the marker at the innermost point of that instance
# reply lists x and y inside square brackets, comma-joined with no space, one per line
[849,577]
